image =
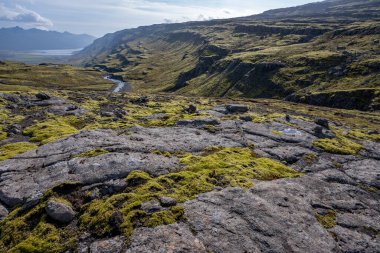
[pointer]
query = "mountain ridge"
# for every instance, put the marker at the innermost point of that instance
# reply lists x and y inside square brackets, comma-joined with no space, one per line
[19,39]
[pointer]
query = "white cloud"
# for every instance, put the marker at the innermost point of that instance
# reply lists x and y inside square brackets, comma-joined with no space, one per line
[19,14]
[98,17]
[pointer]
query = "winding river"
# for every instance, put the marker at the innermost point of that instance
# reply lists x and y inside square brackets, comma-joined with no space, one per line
[121,86]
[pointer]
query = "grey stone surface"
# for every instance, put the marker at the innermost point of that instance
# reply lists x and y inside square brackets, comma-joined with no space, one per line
[260,220]
[112,245]
[175,238]
[364,171]
[278,216]
[3,212]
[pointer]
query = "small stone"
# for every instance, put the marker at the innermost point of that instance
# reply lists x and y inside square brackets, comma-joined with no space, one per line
[287,118]
[3,212]
[140,100]
[373,132]
[167,201]
[151,207]
[11,106]
[14,129]
[43,96]
[119,113]
[234,108]
[59,211]
[191,109]
[246,118]
[71,108]
[115,186]
[95,194]
[115,221]
[322,122]
[106,114]
[318,131]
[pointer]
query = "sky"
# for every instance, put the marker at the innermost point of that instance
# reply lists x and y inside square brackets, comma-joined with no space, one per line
[98,17]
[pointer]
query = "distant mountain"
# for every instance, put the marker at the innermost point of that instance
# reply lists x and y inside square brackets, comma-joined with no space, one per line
[18,39]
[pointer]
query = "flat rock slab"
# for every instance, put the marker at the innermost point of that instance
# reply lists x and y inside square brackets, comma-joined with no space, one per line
[54,163]
[275,216]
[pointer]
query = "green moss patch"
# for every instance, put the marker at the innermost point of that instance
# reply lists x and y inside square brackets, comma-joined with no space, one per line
[339,145]
[53,129]
[238,166]
[10,150]
[327,220]
[3,135]
[93,153]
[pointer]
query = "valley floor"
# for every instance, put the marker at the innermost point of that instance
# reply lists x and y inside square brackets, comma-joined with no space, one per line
[89,171]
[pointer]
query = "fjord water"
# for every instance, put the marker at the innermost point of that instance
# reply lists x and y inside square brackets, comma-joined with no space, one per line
[61,52]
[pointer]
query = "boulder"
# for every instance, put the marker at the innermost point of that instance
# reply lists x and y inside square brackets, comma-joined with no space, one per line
[59,211]
[167,201]
[321,132]
[42,96]
[235,108]
[322,122]
[191,109]
[106,114]
[14,129]
[246,118]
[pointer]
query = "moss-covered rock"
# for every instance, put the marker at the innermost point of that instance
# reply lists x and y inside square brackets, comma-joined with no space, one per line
[32,231]
[217,167]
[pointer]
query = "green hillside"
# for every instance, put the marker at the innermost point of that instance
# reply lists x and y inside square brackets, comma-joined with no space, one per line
[325,53]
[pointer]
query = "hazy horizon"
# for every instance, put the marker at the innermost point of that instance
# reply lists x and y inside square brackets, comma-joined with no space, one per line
[99,17]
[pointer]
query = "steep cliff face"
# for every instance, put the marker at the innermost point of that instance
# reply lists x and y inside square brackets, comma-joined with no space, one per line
[330,47]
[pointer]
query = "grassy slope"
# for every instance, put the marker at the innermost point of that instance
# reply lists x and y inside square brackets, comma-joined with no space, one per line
[274,55]
[60,77]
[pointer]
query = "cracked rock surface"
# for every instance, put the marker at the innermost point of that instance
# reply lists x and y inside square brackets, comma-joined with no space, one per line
[334,206]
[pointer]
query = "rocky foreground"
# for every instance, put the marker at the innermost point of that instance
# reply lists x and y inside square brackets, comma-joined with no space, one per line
[89,173]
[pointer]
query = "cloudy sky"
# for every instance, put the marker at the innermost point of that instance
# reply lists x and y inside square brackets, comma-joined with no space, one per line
[98,17]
